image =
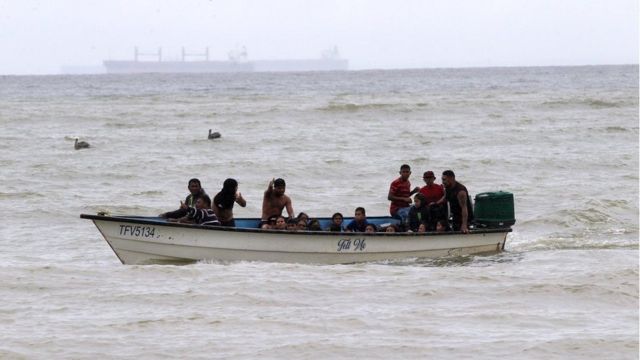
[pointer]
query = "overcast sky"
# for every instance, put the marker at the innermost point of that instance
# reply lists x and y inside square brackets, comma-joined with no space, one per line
[39,37]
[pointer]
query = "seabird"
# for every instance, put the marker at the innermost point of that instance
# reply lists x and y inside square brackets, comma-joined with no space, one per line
[80,145]
[214,135]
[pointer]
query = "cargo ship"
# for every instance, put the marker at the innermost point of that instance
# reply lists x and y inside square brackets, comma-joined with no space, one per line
[237,62]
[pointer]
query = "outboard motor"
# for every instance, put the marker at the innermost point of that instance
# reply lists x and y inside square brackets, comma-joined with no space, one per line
[494,210]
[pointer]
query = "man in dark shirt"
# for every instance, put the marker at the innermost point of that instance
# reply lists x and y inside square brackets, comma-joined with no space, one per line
[457,196]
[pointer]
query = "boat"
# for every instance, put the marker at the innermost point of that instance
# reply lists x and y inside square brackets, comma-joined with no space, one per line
[153,240]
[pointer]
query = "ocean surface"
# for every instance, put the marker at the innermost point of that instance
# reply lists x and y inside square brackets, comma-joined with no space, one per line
[564,140]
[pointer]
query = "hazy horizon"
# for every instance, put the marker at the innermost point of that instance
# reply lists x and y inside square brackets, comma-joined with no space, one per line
[42,38]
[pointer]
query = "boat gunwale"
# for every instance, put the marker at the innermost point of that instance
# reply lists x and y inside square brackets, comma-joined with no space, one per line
[146,221]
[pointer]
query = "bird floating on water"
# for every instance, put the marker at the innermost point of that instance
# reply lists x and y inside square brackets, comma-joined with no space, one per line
[214,135]
[80,145]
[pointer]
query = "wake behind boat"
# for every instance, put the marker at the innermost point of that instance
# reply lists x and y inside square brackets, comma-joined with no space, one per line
[153,240]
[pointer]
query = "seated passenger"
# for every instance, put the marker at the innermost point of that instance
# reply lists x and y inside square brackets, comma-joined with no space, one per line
[419,212]
[422,228]
[441,226]
[359,222]
[269,224]
[292,225]
[314,225]
[301,225]
[370,228]
[201,214]
[391,228]
[400,194]
[336,223]
[195,190]
[281,223]
[303,216]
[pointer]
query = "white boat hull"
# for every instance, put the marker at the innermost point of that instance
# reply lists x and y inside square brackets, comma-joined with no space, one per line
[138,241]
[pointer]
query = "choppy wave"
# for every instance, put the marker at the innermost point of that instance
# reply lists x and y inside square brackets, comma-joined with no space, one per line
[351,107]
[590,102]
[21,195]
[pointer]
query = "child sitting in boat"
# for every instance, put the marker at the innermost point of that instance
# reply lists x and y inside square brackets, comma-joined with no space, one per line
[359,222]
[281,223]
[314,225]
[419,212]
[336,223]
[201,214]
[370,228]
[292,225]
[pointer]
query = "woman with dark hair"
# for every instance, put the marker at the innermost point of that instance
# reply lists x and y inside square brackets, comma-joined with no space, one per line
[224,200]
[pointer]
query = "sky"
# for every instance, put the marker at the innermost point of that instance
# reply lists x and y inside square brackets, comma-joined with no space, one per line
[42,36]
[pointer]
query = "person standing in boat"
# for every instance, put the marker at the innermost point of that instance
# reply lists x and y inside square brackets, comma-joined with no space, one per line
[195,190]
[457,196]
[400,194]
[274,201]
[432,193]
[224,200]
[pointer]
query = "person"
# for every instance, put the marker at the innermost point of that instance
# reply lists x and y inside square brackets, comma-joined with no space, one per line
[391,228]
[422,228]
[419,212]
[195,191]
[281,223]
[432,193]
[441,226]
[274,200]
[359,222]
[400,194]
[303,216]
[292,225]
[370,228]
[336,223]
[301,224]
[224,200]
[457,196]
[314,225]
[200,214]
[269,224]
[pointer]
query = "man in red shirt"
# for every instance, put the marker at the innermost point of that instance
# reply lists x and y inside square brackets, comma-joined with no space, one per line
[400,194]
[433,193]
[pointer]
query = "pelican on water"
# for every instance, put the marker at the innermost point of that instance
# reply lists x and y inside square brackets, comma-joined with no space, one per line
[214,135]
[80,145]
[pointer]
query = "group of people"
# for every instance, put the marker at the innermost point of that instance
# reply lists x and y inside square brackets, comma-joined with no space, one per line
[429,207]
[426,211]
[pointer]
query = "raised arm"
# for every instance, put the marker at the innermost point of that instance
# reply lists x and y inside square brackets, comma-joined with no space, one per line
[240,200]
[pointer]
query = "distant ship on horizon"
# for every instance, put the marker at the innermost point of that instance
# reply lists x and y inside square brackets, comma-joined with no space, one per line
[237,62]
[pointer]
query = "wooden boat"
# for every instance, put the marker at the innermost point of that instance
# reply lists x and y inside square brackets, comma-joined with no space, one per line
[153,240]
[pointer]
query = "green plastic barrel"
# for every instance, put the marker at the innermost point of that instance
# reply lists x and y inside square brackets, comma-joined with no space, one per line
[494,209]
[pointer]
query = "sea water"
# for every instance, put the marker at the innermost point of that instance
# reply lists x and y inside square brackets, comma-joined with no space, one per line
[563,140]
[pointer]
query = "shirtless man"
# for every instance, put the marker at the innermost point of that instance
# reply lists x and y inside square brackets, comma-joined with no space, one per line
[274,201]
